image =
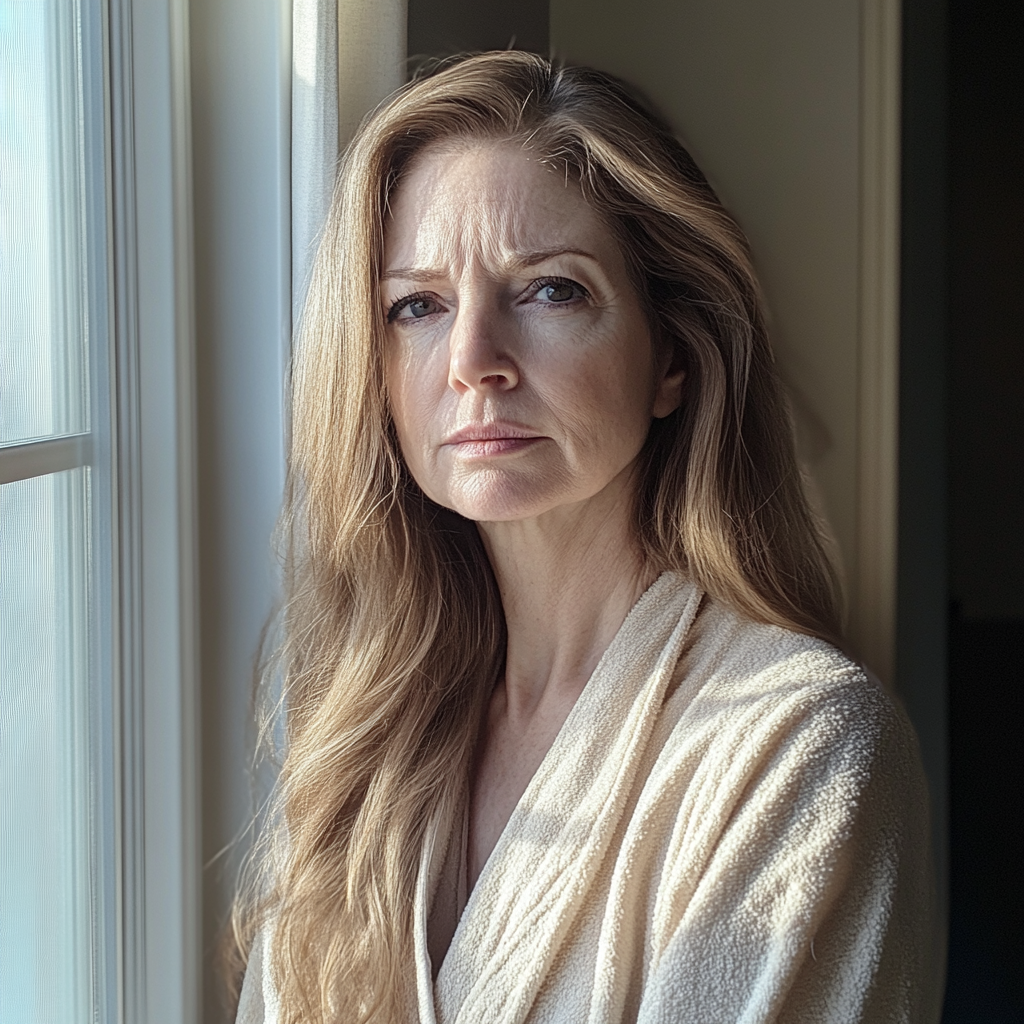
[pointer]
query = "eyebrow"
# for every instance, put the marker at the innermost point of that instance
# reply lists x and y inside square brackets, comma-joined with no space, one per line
[529,258]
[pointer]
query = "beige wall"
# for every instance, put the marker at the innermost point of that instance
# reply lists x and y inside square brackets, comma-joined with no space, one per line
[768,96]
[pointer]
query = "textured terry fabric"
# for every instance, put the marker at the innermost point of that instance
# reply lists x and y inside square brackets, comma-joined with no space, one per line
[257,1003]
[731,826]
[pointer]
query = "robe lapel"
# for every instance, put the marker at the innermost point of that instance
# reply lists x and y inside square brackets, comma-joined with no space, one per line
[430,864]
[542,866]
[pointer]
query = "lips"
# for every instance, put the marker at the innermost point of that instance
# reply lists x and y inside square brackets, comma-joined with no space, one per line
[483,439]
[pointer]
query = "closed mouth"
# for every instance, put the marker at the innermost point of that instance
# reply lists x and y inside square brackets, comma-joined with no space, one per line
[491,432]
[492,439]
[495,446]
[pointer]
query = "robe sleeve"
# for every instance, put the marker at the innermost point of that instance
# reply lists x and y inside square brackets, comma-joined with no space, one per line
[258,1002]
[815,903]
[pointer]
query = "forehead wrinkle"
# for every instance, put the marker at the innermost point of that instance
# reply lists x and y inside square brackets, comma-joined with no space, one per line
[489,236]
[452,216]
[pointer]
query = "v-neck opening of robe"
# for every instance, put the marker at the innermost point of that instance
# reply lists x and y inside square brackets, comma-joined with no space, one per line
[451,894]
[666,587]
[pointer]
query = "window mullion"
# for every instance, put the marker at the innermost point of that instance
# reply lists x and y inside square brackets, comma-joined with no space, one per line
[40,458]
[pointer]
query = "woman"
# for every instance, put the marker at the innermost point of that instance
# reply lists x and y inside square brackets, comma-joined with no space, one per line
[568,733]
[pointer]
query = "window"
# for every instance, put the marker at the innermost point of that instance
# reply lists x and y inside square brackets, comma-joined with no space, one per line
[99,819]
[96,734]
[56,557]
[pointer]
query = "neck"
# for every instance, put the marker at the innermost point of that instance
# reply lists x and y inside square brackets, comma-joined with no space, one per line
[567,578]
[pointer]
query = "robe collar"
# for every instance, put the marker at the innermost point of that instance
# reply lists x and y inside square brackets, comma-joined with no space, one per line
[530,889]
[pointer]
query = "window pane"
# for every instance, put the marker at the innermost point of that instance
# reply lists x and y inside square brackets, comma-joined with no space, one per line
[42,264]
[48,865]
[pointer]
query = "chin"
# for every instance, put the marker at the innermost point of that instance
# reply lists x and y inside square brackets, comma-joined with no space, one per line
[497,511]
[501,501]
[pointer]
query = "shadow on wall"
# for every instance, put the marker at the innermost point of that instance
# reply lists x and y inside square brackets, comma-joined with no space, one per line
[438,28]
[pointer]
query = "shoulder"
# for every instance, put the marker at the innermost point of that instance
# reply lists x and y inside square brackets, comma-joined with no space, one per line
[762,704]
[793,849]
[781,760]
[737,668]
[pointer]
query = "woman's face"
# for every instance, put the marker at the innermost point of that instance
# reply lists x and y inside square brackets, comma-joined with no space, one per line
[520,366]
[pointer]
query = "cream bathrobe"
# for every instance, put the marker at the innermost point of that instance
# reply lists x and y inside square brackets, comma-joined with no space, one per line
[731,826]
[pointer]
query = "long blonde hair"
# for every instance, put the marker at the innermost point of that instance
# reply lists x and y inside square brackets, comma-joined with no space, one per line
[393,634]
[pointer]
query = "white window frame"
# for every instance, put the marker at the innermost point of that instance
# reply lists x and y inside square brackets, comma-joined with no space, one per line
[154,446]
[142,429]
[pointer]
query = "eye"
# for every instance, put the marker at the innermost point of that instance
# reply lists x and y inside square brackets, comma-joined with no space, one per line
[414,307]
[559,291]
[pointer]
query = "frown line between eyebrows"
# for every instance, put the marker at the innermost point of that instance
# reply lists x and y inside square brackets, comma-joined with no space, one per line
[521,260]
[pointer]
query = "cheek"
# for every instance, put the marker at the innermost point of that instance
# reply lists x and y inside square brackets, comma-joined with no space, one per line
[415,404]
[406,379]
[606,398]
[402,400]
[395,381]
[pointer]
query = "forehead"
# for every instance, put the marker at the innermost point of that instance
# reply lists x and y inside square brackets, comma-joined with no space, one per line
[487,202]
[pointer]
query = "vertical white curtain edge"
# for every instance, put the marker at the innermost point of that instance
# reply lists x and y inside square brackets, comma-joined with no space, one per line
[347,55]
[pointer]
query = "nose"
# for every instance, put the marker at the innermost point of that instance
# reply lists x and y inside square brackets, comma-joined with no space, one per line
[479,356]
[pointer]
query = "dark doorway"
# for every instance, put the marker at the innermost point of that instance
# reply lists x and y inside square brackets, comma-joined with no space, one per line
[985,402]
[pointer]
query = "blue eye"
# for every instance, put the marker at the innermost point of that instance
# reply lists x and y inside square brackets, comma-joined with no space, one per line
[414,307]
[420,307]
[559,291]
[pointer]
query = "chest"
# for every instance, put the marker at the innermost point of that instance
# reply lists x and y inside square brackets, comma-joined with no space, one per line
[511,750]
[551,872]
